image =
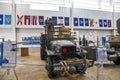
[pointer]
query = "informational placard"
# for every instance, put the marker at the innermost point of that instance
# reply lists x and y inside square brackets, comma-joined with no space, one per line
[9,54]
[1,50]
[101,54]
[35,40]
[0,53]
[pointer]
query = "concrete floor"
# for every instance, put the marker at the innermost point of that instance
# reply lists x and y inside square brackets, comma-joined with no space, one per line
[31,68]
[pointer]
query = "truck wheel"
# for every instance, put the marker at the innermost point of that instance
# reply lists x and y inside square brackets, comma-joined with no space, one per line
[117,62]
[80,71]
[50,68]
[42,54]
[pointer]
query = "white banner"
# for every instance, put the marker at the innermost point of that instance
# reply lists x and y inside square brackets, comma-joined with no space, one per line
[101,54]
[9,54]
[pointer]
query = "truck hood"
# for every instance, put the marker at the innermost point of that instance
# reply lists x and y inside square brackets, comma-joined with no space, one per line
[62,43]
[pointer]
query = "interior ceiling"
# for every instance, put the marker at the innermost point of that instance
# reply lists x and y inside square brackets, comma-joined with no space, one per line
[107,5]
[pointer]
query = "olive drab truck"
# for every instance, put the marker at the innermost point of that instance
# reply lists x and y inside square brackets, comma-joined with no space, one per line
[60,52]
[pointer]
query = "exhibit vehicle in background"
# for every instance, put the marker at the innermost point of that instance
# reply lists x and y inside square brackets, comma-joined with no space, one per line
[112,48]
[115,43]
[60,52]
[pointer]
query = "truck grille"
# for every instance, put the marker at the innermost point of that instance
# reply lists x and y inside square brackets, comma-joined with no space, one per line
[68,52]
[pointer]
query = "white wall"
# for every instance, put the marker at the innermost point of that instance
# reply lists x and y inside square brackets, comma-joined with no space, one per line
[5,8]
[6,31]
[116,17]
[92,13]
[22,9]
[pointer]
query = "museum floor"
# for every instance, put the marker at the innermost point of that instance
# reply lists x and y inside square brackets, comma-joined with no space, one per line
[31,68]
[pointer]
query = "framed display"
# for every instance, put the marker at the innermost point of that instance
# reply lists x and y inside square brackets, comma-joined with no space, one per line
[66,20]
[81,21]
[75,21]
[105,23]
[1,19]
[8,19]
[100,22]
[54,20]
[41,20]
[109,23]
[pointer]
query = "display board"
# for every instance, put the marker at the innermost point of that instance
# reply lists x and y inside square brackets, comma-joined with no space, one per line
[101,54]
[35,40]
[9,54]
[1,50]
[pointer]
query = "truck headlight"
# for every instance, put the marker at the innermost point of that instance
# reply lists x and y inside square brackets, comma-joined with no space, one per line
[57,49]
[84,51]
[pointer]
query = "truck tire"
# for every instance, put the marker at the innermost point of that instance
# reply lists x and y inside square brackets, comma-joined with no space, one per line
[117,62]
[42,54]
[80,71]
[50,68]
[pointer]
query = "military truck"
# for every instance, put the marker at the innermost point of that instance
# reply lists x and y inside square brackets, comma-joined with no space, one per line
[113,48]
[60,52]
[115,43]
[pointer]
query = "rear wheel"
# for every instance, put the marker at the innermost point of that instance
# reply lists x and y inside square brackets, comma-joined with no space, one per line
[117,62]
